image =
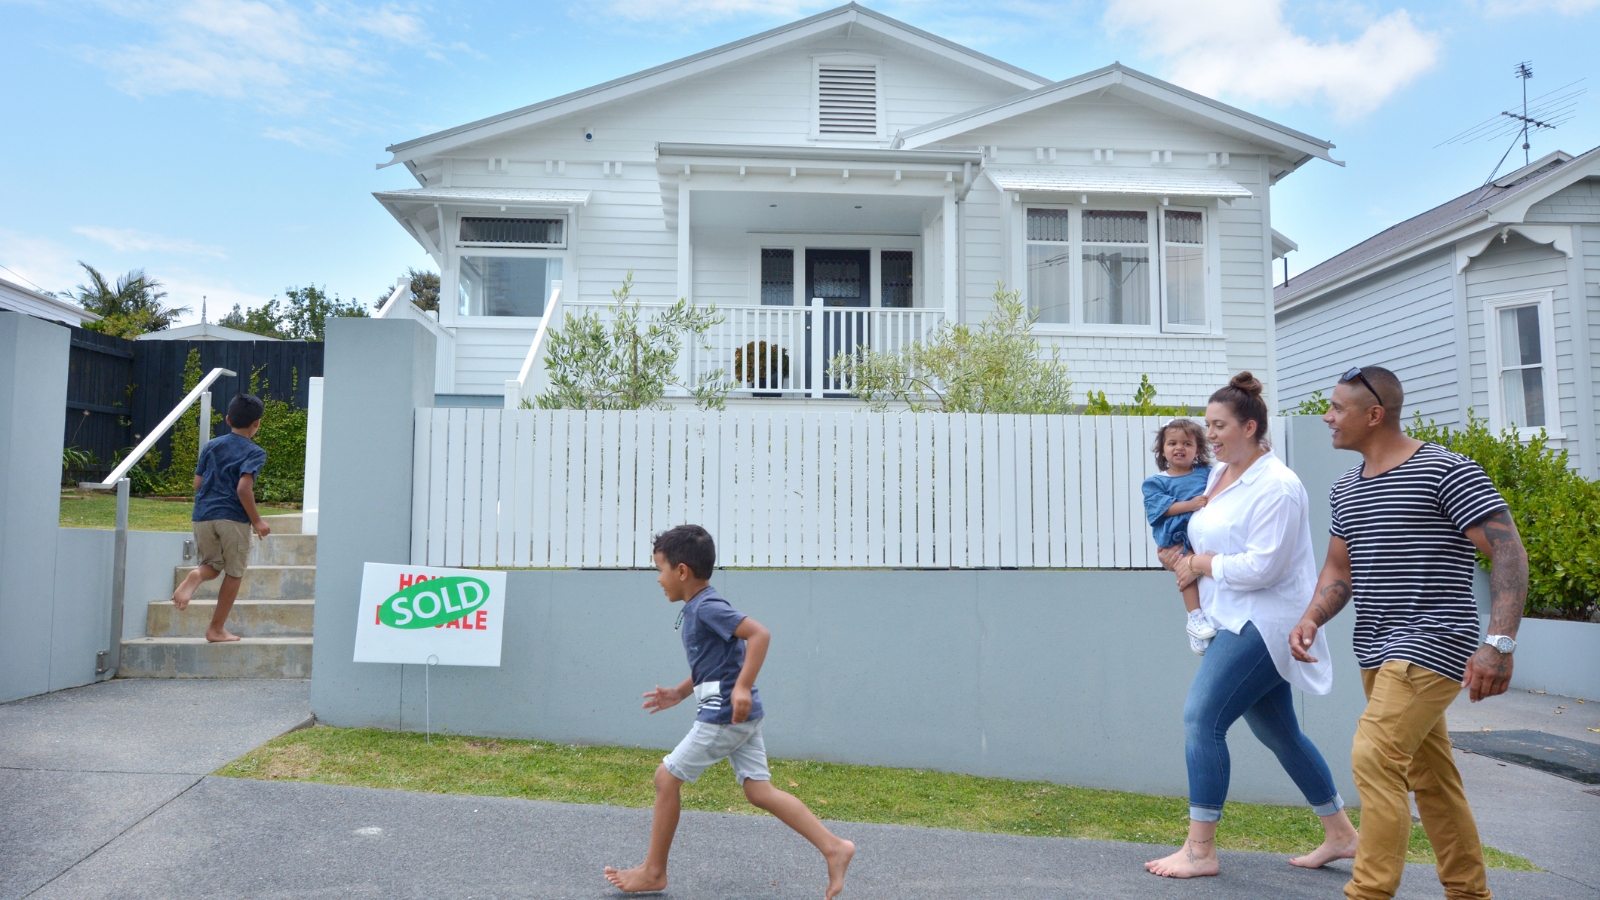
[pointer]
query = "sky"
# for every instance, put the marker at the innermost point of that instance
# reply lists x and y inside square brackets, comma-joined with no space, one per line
[228,147]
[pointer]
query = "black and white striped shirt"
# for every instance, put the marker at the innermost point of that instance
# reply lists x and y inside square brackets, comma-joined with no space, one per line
[1410,562]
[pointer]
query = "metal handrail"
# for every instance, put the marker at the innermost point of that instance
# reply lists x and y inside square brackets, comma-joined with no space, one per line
[156,433]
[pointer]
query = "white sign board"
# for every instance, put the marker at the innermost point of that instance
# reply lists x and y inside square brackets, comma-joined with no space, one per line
[411,613]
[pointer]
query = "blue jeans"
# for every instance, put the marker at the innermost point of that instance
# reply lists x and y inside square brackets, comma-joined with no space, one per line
[1237,678]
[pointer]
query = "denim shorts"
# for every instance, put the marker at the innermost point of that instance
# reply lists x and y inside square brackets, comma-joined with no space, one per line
[706,745]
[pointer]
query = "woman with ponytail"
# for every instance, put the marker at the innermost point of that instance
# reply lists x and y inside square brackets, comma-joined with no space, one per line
[1254,564]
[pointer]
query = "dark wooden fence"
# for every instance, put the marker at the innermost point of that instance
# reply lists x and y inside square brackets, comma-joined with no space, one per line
[118,390]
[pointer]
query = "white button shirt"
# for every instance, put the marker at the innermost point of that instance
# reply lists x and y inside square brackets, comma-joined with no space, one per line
[1264,570]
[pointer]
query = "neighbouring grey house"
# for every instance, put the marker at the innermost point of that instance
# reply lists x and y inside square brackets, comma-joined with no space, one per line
[1488,303]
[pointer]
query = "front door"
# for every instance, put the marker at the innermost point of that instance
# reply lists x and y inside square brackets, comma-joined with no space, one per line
[840,278]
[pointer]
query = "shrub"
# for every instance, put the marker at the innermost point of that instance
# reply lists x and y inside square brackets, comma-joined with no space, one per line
[1556,511]
[282,435]
[1144,403]
[996,367]
[1314,405]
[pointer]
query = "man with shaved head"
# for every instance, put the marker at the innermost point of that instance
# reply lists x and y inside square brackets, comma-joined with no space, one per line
[1405,524]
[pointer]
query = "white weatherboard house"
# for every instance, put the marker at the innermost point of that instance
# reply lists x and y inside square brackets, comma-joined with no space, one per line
[848,179]
[1490,302]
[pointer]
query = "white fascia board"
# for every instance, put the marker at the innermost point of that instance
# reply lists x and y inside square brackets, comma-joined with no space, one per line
[678,154]
[765,43]
[1514,209]
[28,296]
[1295,146]
[1281,245]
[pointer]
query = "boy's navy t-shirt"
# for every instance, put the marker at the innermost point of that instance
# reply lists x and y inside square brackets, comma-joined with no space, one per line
[1163,490]
[221,464]
[715,655]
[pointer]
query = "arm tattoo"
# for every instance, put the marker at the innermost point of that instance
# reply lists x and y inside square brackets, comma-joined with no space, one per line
[1329,600]
[1508,578]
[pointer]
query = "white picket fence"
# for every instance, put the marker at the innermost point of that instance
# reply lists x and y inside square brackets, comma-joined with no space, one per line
[570,489]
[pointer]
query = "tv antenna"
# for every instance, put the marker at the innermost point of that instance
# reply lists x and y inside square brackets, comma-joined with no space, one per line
[1541,113]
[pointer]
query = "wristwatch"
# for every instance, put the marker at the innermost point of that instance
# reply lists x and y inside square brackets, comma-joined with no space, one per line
[1502,643]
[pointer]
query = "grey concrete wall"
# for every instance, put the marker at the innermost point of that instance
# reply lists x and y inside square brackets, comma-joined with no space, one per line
[1558,658]
[1076,677]
[376,373]
[33,409]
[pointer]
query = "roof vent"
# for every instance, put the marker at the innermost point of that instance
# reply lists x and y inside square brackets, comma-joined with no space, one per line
[847,99]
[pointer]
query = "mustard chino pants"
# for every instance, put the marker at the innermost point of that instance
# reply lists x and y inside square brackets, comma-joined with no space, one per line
[1402,747]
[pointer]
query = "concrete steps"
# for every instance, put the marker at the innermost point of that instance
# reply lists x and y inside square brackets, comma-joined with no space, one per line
[273,617]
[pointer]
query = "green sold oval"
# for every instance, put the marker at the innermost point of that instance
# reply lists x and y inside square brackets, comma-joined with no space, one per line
[433,602]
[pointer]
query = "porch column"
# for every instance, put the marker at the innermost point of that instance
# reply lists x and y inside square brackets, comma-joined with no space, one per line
[952,311]
[685,250]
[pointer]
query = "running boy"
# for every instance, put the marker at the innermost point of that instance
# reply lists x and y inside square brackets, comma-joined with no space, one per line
[725,650]
[1171,497]
[225,511]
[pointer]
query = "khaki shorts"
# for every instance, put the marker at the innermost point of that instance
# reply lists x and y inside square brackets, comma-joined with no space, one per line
[223,545]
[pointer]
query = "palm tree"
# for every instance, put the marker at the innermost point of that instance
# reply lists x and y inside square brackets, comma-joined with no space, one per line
[129,308]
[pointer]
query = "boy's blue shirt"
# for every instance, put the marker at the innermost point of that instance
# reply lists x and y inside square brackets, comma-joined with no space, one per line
[221,464]
[715,654]
[1160,492]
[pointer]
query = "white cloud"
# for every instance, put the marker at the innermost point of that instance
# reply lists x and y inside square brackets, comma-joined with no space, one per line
[1505,8]
[274,53]
[1245,49]
[38,262]
[304,138]
[131,240]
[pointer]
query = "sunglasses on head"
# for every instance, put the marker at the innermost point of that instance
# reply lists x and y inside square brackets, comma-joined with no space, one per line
[1354,374]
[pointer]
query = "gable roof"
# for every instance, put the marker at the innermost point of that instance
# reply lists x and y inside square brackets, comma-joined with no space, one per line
[1297,147]
[1506,199]
[851,14]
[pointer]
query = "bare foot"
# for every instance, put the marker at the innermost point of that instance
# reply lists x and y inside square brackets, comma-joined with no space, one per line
[185,592]
[838,862]
[1184,864]
[220,635]
[639,880]
[1327,853]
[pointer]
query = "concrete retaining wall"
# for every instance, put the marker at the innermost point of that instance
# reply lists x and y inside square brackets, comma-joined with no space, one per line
[1558,658]
[1071,676]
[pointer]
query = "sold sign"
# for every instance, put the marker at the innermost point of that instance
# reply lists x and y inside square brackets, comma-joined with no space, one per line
[433,602]
[421,615]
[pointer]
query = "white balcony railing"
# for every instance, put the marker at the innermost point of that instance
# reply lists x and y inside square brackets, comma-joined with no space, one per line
[773,351]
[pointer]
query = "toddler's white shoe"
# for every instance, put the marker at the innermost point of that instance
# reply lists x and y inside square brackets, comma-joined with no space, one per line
[1201,627]
[1199,645]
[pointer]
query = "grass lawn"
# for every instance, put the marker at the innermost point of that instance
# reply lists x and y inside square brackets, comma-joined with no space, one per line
[98,509]
[621,776]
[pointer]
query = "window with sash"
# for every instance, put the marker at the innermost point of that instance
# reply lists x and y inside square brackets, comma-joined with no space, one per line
[1520,334]
[1109,267]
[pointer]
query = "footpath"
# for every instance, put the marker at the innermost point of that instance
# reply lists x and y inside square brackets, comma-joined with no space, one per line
[104,794]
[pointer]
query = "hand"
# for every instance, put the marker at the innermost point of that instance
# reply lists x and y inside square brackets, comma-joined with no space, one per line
[1169,557]
[1301,639]
[1488,673]
[1186,573]
[1201,501]
[741,703]
[262,528]
[661,698]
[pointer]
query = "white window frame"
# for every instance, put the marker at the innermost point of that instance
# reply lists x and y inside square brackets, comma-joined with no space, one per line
[450,280]
[1154,208]
[1545,301]
[847,59]
[1205,261]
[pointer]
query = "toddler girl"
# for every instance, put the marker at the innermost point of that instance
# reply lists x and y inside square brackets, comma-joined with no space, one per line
[1171,497]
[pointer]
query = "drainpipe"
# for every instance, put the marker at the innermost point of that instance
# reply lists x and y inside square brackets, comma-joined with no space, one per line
[961,241]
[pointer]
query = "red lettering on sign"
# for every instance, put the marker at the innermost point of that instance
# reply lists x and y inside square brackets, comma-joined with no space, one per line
[482,616]
[378,614]
[453,623]
[406,581]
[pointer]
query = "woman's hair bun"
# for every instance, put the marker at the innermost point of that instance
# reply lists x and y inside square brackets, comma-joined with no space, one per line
[1248,383]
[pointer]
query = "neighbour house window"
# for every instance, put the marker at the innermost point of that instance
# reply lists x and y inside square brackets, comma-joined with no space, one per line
[777,277]
[895,274]
[505,285]
[847,100]
[1116,267]
[1519,335]
[1183,261]
[1050,265]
